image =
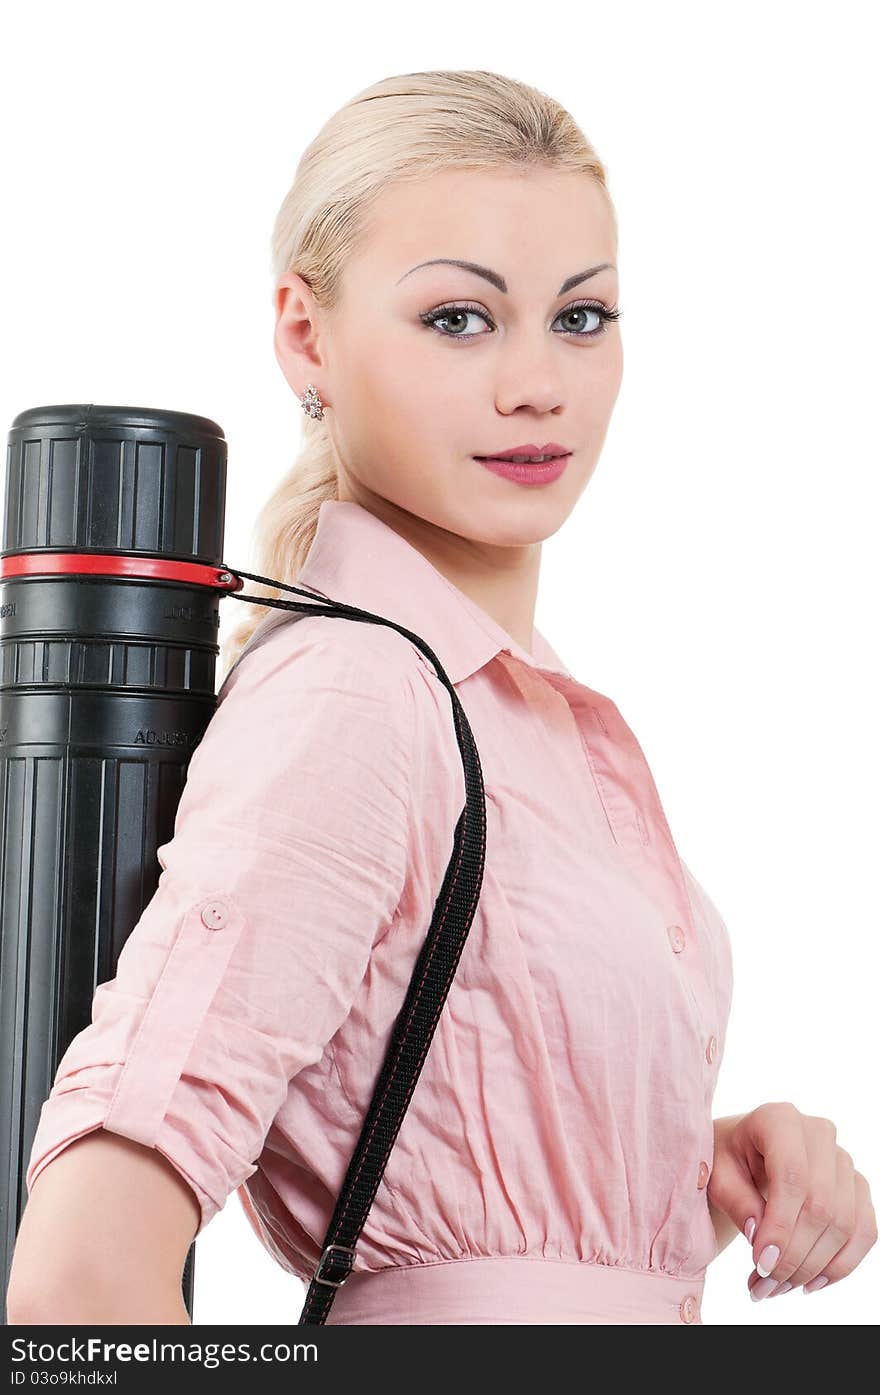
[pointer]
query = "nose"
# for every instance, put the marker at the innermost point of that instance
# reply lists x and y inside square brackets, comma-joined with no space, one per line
[528,375]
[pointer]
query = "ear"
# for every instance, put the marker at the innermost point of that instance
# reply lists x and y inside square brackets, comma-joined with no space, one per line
[296,331]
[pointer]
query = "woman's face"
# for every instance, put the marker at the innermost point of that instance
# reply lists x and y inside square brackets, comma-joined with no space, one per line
[411,403]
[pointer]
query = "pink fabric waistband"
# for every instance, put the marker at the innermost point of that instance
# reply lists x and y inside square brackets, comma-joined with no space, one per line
[515,1289]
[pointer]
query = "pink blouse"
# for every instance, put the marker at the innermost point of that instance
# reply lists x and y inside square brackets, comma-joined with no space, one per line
[553,1161]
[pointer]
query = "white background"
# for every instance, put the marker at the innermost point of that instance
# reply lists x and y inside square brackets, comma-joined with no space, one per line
[719,577]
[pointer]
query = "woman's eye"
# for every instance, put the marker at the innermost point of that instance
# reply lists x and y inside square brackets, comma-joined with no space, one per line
[457,316]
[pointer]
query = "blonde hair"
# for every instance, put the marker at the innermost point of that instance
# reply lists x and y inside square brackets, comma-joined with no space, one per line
[401,128]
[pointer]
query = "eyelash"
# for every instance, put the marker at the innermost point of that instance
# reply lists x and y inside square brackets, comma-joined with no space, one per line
[432,316]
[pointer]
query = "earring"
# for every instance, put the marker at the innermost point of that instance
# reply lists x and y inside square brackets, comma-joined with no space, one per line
[311,402]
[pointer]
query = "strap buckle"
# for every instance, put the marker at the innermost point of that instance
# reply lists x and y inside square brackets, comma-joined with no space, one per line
[336,1283]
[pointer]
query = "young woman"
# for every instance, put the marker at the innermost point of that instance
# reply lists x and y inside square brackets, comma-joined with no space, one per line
[446,294]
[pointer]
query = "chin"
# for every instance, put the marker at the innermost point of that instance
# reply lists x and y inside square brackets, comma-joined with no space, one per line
[525,526]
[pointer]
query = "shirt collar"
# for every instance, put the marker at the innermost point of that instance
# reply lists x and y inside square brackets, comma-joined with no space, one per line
[360,560]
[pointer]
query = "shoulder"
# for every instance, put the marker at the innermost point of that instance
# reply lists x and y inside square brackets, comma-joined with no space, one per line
[323,652]
[341,684]
[314,716]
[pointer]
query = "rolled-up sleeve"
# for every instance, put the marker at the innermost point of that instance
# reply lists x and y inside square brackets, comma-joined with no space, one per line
[287,863]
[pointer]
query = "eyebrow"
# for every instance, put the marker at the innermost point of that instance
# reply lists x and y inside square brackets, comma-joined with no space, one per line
[499,281]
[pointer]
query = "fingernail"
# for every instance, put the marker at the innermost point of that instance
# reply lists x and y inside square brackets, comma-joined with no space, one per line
[819,1282]
[766,1260]
[783,1288]
[762,1288]
[749,1229]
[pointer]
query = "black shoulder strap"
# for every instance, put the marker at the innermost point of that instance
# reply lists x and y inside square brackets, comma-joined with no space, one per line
[416,1022]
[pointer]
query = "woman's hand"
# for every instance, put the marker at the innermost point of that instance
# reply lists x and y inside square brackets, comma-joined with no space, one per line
[783,1180]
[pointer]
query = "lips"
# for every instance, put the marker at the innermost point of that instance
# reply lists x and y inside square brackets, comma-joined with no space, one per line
[552,448]
[525,473]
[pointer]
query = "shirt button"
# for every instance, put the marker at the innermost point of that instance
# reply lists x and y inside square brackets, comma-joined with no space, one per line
[215,915]
[676,938]
[703,1175]
[711,1048]
[689,1308]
